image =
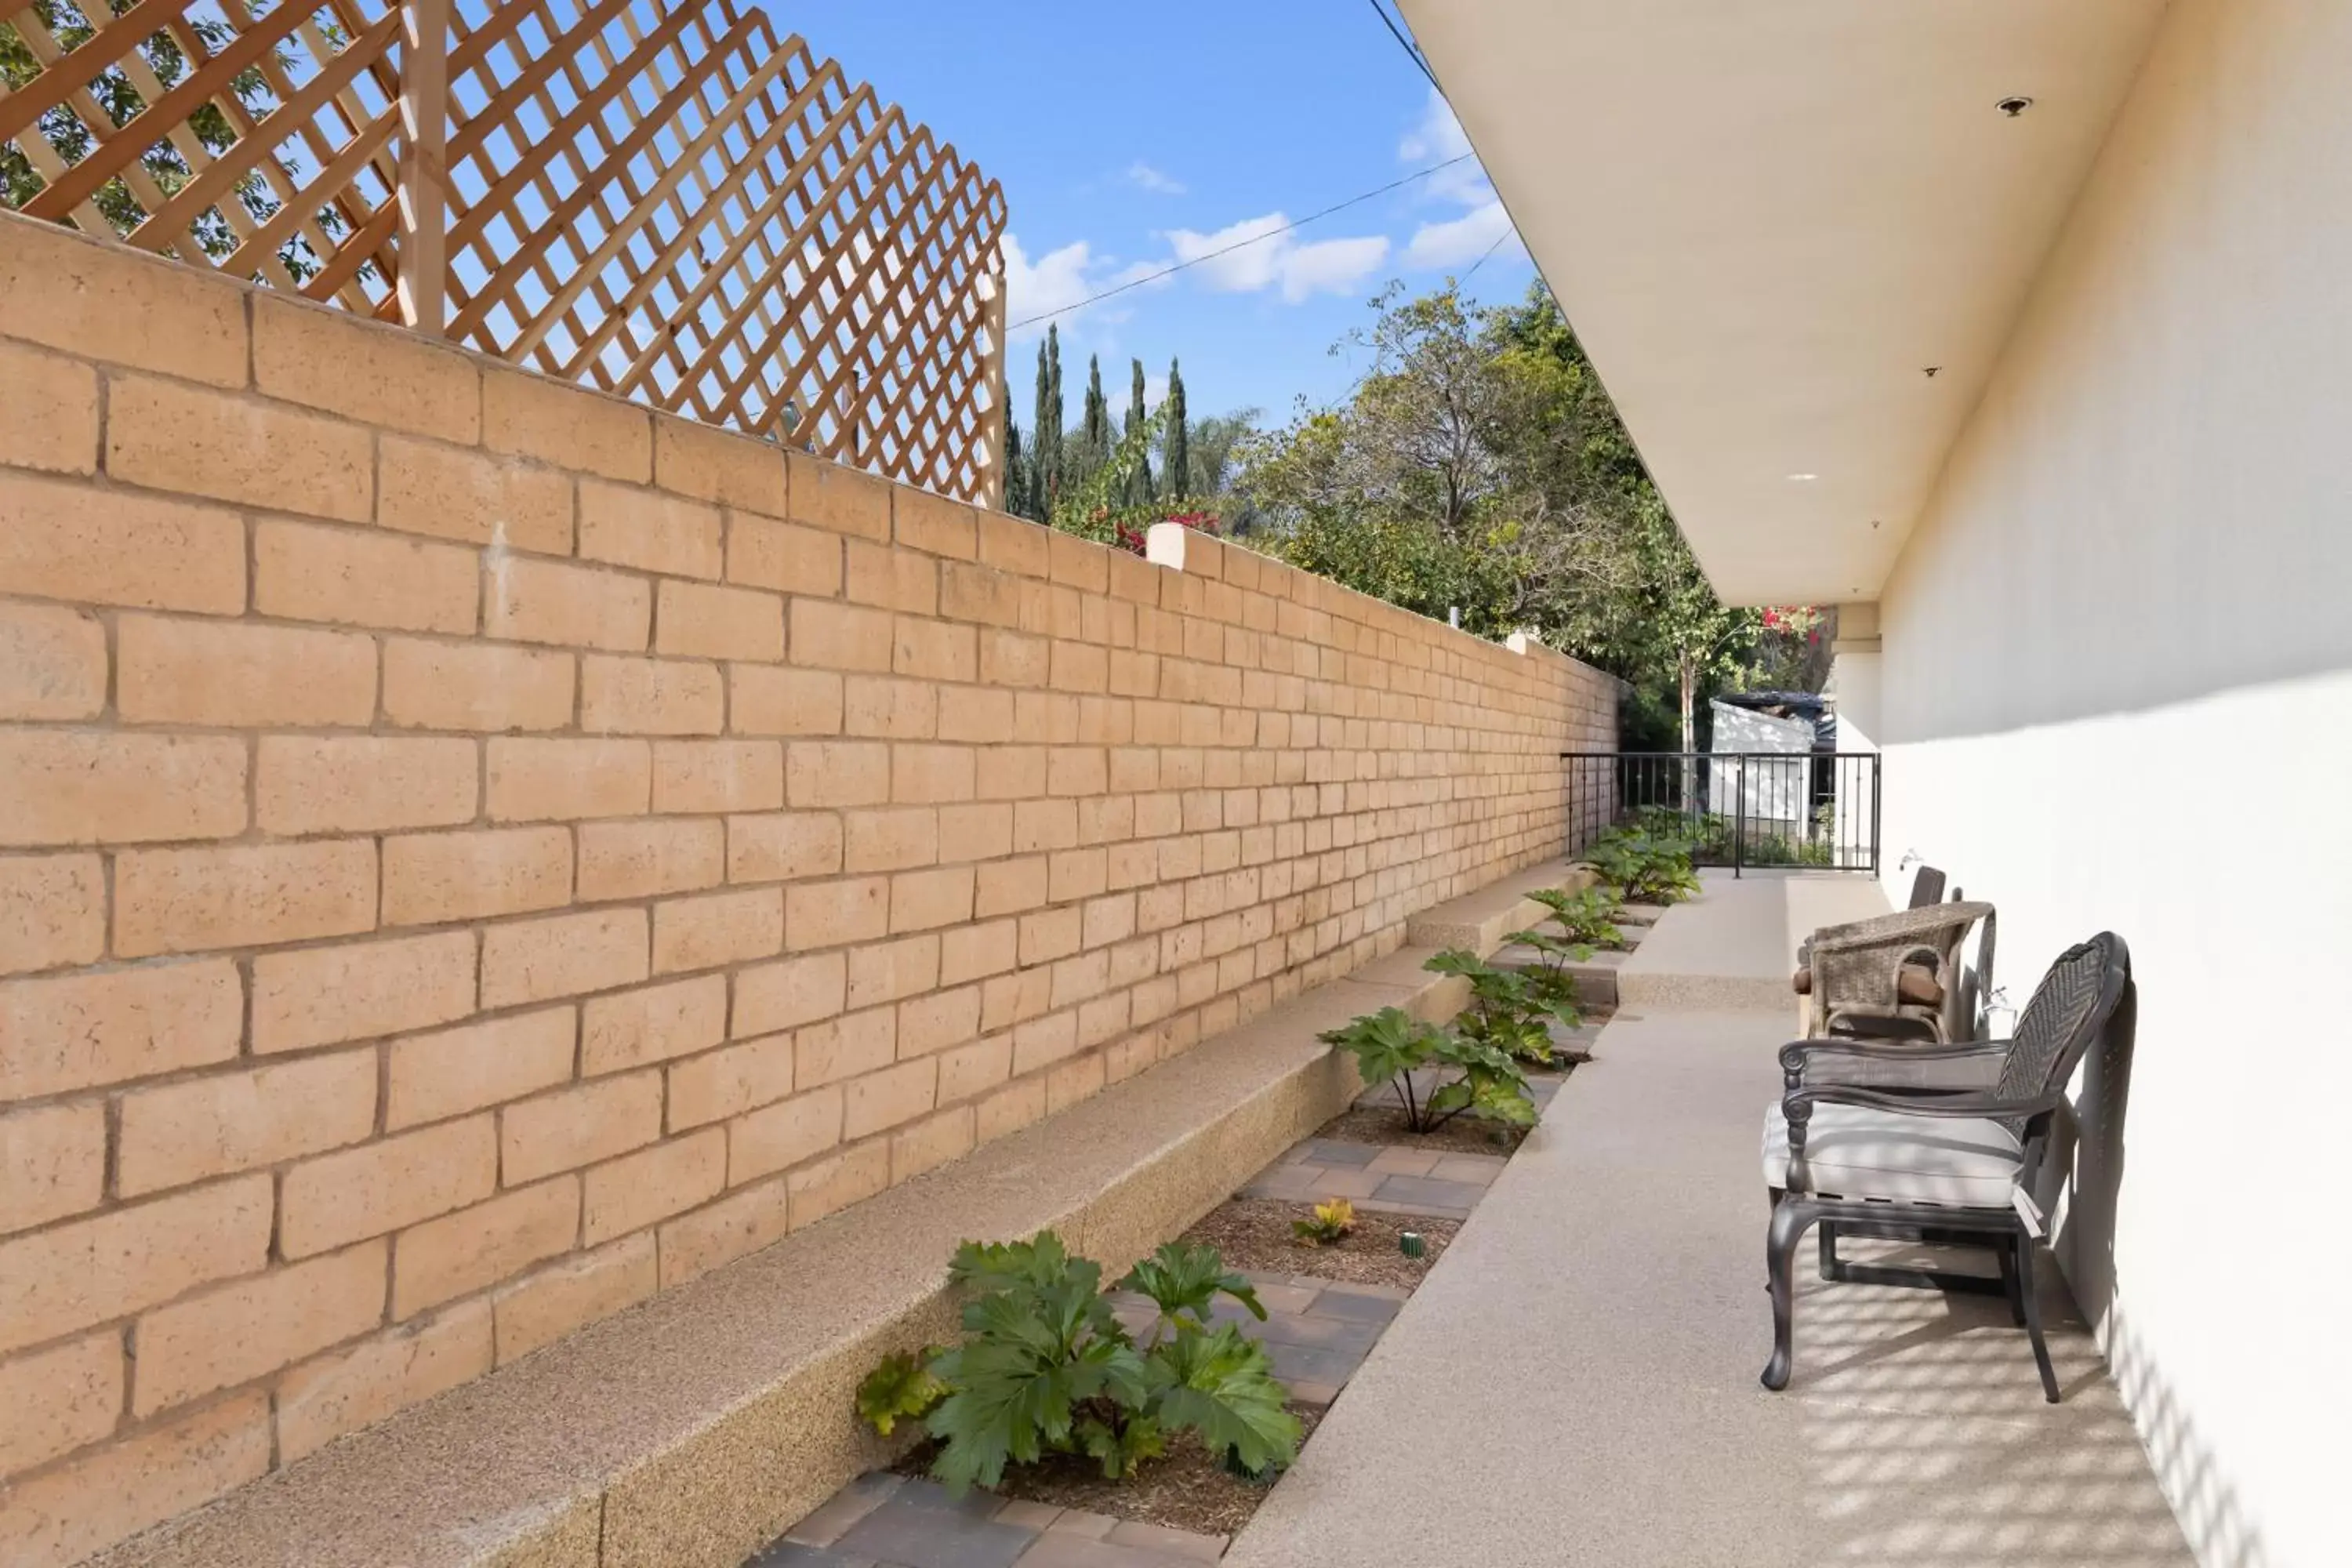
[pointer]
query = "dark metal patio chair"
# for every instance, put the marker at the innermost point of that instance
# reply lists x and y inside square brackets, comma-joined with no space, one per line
[1932,1165]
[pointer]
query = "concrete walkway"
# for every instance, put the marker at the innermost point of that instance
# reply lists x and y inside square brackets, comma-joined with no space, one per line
[1576,1383]
[1735,945]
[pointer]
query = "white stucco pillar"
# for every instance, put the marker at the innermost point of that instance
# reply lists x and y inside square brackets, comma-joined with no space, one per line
[1854,676]
[1853,685]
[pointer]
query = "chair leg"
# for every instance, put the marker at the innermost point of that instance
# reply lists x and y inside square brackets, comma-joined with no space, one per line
[1788,1222]
[1829,1250]
[2008,1255]
[2031,1301]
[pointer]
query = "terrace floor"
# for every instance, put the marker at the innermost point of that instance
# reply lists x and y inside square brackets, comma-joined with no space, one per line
[1576,1383]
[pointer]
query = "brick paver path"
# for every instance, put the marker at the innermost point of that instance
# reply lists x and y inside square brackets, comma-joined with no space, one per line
[1317,1334]
[883,1520]
[1380,1180]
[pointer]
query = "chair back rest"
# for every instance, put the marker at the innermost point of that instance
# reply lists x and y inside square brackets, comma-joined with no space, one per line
[2069,1009]
[1927,887]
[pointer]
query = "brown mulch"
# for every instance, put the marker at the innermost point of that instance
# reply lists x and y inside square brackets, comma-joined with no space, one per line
[1255,1235]
[1184,1488]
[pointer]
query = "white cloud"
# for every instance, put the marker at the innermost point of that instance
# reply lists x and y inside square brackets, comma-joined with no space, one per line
[1145,177]
[1246,269]
[1055,282]
[1438,137]
[1460,241]
[1261,256]
[1331,266]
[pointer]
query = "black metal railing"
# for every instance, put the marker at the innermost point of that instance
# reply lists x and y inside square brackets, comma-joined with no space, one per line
[1739,808]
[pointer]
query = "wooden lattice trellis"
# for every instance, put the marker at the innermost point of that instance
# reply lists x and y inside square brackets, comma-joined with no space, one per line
[655,197]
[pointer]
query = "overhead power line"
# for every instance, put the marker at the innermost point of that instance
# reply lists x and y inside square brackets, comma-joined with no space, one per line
[1413,50]
[1487,256]
[1238,245]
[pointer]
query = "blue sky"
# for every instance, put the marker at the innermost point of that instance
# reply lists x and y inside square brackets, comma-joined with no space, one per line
[1131,137]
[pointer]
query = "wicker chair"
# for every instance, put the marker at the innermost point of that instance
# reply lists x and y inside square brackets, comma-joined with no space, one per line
[1893,976]
[1928,1165]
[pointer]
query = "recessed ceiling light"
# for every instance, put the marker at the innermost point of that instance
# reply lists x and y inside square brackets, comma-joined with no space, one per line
[1803,478]
[2014,105]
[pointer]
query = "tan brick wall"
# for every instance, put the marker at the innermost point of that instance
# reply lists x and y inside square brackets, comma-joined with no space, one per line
[473,852]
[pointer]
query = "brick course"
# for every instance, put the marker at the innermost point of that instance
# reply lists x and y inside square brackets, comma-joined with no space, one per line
[477,852]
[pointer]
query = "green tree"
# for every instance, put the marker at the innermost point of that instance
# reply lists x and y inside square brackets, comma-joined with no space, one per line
[1016,471]
[164,55]
[1090,448]
[1437,484]
[1215,444]
[1698,634]
[1176,455]
[1480,467]
[1045,430]
[1138,489]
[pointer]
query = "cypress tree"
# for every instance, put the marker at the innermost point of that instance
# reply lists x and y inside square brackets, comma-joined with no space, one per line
[1040,446]
[1045,431]
[1176,465]
[1094,431]
[1016,472]
[1138,489]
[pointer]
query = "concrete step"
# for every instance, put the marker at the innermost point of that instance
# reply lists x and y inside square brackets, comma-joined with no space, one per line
[1481,921]
[1732,948]
[1595,977]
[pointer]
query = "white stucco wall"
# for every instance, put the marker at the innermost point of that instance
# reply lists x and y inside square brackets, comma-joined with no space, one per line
[2118,693]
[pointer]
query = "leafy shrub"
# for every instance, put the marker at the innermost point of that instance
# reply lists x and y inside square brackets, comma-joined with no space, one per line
[1334,1220]
[1389,1043]
[1507,1009]
[1583,917]
[1666,822]
[901,1389]
[1046,1367]
[1646,868]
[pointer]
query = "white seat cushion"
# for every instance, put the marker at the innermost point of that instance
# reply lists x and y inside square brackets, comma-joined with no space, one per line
[1852,1151]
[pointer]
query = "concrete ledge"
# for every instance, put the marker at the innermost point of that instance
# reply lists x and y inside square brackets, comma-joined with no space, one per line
[694,1429]
[1480,921]
[1595,977]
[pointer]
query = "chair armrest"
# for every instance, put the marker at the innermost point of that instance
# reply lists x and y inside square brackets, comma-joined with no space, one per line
[1909,1074]
[1794,1054]
[1797,1104]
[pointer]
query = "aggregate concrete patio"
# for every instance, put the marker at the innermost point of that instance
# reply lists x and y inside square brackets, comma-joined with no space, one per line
[1587,1353]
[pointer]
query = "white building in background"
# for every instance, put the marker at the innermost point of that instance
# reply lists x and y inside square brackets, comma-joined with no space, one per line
[1751,784]
[2022,329]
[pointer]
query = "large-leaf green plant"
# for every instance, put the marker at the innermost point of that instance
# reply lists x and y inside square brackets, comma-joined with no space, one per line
[1645,867]
[1585,918]
[1388,1045]
[1046,1367]
[1510,1010]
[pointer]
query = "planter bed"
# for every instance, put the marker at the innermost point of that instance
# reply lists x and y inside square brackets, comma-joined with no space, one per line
[1254,1236]
[1325,1306]
[1184,1491]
